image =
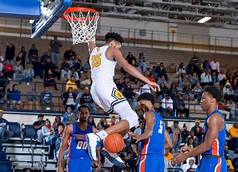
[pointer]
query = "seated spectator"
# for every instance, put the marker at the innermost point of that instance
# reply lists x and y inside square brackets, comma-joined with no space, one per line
[181,82]
[47,132]
[50,66]
[14,96]
[49,81]
[5,134]
[142,66]
[233,132]
[69,116]
[214,77]
[32,53]
[86,99]
[173,90]
[18,71]
[91,121]
[167,105]
[194,79]
[102,124]
[215,66]
[37,125]
[179,105]
[46,99]
[69,98]
[8,69]
[190,165]
[28,73]
[74,73]
[69,53]
[180,69]
[59,136]
[228,92]
[198,131]
[22,57]
[161,71]
[192,140]
[86,80]
[222,78]
[163,80]
[38,68]
[197,92]
[130,95]
[184,133]
[131,59]
[64,70]
[71,83]
[206,78]
[56,123]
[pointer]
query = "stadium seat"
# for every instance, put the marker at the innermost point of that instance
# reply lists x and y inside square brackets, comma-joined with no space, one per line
[15,128]
[5,166]
[29,132]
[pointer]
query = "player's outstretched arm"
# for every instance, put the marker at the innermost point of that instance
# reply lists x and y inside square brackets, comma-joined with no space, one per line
[213,128]
[116,53]
[150,121]
[63,147]
[167,141]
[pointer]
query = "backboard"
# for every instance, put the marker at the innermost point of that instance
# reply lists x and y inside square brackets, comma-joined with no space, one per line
[51,10]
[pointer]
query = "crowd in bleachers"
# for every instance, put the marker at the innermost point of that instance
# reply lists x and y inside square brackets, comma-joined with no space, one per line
[23,67]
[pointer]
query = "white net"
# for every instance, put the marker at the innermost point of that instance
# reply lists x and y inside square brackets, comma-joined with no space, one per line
[83,25]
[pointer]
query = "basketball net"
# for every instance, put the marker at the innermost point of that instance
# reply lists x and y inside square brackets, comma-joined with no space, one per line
[83,23]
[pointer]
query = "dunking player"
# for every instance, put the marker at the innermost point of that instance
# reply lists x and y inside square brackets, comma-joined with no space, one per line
[212,148]
[103,61]
[155,138]
[75,140]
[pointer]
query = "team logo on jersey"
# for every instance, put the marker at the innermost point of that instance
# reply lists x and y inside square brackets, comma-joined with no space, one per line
[96,60]
[117,94]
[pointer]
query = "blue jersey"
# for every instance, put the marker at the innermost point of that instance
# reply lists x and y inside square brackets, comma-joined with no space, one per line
[78,144]
[218,144]
[152,154]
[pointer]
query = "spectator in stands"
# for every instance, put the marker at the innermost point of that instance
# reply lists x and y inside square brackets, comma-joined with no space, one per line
[130,95]
[167,105]
[184,133]
[71,83]
[47,132]
[222,78]
[69,53]
[77,66]
[181,82]
[64,73]
[173,90]
[91,121]
[194,79]
[86,99]
[215,66]
[74,73]
[161,71]
[176,136]
[190,165]
[32,54]
[55,46]
[192,140]
[50,66]
[214,77]
[102,124]
[46,99]
[197,92]
[69,98]
[59,136]
[131,59]
[38,68]
[28,73]
[233,132]
[142,66]
[18,71]
[49,80]
[86,80]
[206,78]
[1,65]
[37,125]
[163,80]
[228,92]
[14,96]
[179,106]
[56,123]
[180,69]
[10,52]
[198,131]
[69,116]
[8,69]
[22,56]
[5,134]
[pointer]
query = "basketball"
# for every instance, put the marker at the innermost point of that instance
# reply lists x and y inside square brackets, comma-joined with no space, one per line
[114,143]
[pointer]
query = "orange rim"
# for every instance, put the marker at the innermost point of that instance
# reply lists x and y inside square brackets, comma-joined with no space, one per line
[79,9]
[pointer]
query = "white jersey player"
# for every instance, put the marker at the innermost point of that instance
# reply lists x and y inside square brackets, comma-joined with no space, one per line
[104,91]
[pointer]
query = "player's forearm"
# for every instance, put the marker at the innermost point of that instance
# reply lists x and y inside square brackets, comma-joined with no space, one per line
[146,134]
[134,72]
[198,150]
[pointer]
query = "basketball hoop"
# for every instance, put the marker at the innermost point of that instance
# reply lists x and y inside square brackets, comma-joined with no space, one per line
[83,22]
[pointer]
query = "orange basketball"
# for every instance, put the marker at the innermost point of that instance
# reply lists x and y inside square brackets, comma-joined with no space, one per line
[114,143]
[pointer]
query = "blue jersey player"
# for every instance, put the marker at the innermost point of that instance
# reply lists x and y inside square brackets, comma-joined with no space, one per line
[212,148]
[75,140]
[155,138]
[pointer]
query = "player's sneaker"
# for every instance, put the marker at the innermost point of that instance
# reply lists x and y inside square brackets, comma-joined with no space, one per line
[93,141]
[114,159]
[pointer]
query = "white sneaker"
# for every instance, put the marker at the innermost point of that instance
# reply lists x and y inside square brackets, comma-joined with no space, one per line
[93,141]
[114,159]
